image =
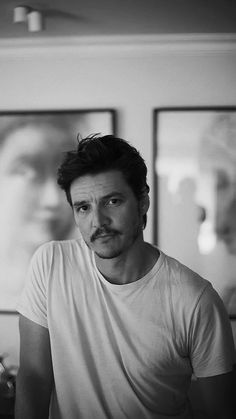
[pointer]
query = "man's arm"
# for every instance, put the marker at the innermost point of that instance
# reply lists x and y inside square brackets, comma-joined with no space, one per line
[215,396]
[35,377]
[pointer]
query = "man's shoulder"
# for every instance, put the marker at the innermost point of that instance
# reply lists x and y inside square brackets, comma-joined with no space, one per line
[61,248]
[186,290]
[61,244]
[183,278]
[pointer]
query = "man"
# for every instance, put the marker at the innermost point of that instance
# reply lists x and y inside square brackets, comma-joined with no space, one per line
[110,326]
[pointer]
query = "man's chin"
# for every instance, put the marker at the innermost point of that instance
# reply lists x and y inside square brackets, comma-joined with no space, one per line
[107,254]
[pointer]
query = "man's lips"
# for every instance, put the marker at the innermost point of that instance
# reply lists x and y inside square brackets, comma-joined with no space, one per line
[106,235]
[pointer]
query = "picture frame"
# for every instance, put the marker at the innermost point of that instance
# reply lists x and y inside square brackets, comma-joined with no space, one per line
[33,208]
[194,210]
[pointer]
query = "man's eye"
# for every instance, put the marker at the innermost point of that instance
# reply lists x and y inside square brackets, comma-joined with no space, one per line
[82,209]
[114,201]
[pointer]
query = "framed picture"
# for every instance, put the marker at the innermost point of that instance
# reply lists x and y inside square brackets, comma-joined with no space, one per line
[33,208]
[195,192]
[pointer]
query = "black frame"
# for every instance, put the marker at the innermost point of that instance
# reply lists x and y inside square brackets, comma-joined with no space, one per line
[157,112]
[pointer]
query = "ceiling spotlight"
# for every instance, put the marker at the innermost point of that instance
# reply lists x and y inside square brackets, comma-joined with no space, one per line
[35,21]
[20,14]
[33,18]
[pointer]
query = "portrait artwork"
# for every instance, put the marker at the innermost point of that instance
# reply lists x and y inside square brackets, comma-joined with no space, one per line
[195,187]
[33,209]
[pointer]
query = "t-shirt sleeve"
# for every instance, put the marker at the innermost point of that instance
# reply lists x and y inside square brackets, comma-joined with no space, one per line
[211,342]
[33,300]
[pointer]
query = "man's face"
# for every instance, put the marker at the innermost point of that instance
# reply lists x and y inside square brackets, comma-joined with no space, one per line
[107,213]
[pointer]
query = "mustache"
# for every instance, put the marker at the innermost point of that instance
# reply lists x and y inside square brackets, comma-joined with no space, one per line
[102,232]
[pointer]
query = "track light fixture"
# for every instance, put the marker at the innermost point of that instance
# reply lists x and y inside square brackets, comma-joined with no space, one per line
[33,18]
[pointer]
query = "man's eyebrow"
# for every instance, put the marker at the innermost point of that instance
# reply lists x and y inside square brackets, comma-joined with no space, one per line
[111,194]
[79,203]
[103,198]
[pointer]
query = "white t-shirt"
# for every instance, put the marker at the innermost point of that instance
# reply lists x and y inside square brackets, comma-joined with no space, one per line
[124,351]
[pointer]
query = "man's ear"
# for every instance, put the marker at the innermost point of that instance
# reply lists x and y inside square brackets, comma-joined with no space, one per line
[144,203]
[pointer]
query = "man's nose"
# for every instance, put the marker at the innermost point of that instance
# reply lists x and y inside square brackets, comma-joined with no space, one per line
[100,217]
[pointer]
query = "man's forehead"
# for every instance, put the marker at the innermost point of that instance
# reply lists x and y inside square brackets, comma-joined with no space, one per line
[101,184]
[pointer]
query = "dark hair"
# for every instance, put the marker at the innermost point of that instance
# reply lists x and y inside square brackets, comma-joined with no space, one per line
[96,154]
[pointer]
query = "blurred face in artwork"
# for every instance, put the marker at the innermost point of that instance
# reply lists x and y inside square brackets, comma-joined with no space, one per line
[217,187]
[225,220]
[33,208]
[218,204]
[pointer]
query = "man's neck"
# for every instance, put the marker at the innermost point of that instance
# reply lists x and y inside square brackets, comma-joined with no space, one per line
[130,266]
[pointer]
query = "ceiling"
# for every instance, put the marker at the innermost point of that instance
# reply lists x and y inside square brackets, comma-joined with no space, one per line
[66,18]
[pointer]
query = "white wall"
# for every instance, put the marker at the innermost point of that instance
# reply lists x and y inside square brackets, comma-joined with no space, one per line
[133,76]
